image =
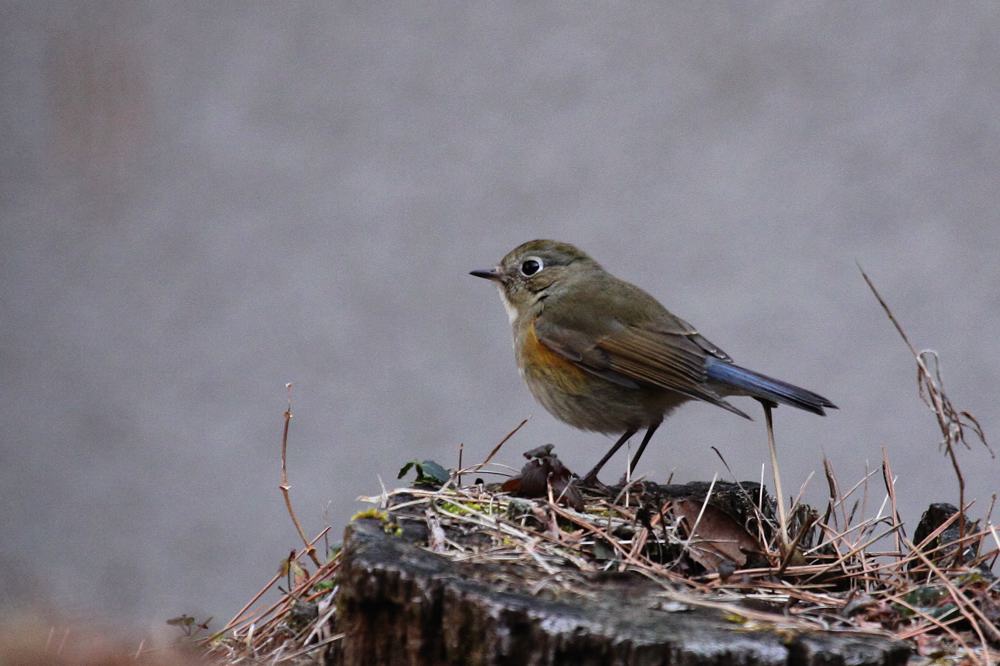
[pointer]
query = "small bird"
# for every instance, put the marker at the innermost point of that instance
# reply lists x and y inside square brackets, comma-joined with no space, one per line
[601,354]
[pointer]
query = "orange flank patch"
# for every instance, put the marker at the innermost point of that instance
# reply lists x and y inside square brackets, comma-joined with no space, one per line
[545,364]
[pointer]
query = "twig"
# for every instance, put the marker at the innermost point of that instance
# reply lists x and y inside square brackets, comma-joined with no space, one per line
[285,487]
[701,512]
[802,490]
[831,482]
[237,619]
[951,421]
[806,526]
[964,606]
[780,496]
[944,626]
[496,449]
[312,648]
[890,488]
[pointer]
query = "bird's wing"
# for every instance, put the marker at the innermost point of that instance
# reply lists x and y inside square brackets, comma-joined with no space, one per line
[662,351]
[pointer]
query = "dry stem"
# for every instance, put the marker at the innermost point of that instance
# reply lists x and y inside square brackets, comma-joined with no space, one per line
[285,487]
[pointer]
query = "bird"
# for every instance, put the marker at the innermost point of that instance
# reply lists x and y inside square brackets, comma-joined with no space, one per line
[602,355]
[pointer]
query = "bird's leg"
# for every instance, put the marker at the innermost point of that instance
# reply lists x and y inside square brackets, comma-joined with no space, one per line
[642,447]
[591,478]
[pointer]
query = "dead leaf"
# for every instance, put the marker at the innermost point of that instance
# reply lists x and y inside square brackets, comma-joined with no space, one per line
[719,539]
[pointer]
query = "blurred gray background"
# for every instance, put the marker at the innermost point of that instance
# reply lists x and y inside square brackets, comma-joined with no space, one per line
[203,201]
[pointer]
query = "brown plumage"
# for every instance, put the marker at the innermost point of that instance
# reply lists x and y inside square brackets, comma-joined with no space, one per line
[601,354]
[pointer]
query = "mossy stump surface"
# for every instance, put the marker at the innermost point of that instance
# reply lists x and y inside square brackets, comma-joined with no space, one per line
[400,603]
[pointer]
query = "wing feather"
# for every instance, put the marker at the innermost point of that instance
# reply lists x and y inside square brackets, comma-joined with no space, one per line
[665,356]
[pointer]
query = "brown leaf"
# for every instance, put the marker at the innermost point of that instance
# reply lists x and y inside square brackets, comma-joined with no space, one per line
[719,539]
[542,470]
[512,485]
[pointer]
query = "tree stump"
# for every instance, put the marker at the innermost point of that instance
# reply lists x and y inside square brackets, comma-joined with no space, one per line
[400,603]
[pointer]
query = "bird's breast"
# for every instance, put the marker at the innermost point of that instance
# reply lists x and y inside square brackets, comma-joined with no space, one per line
[541,365]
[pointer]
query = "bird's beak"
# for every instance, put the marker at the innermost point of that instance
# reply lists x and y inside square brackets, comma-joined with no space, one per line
[491,274]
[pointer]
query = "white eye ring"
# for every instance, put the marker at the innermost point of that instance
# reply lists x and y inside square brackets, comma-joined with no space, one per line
[531,266]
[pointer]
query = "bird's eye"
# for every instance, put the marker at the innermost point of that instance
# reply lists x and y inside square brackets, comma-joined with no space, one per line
[530,266]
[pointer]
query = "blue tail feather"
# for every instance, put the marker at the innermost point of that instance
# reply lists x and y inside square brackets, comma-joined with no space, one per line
[733,378]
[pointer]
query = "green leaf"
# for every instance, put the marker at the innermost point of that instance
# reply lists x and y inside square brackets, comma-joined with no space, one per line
[435,471]
[429,473]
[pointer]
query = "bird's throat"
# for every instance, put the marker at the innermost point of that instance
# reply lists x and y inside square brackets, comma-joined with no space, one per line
[507,305]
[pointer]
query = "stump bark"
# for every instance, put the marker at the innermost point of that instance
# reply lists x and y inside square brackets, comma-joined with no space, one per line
[399,603]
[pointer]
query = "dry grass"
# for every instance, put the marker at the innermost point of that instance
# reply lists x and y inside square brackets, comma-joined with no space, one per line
[834,580]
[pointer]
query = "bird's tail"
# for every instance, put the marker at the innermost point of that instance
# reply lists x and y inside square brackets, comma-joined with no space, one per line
[747,382]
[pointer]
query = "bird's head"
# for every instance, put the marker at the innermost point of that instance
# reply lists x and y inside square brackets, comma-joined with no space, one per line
[536,269]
